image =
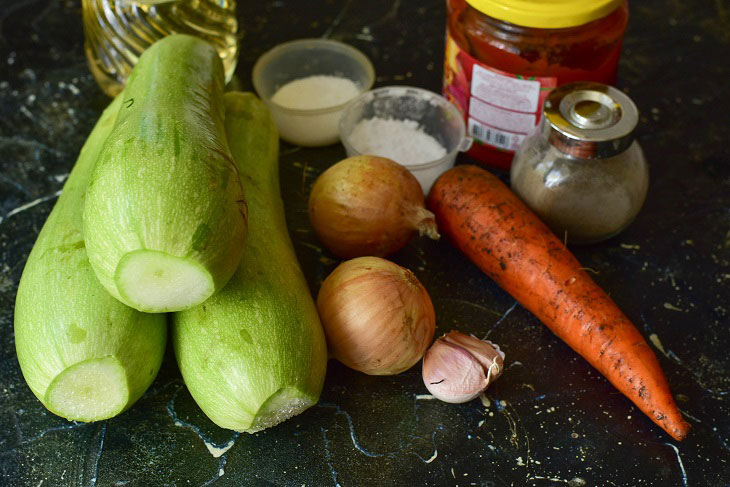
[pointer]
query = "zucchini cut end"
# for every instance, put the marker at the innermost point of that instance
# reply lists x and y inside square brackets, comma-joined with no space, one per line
[280,406]
[92,390]
[157,282]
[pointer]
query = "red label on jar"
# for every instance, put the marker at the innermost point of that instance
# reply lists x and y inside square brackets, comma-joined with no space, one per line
[500,108]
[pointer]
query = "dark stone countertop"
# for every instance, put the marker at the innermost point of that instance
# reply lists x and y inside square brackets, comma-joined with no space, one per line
[550,419]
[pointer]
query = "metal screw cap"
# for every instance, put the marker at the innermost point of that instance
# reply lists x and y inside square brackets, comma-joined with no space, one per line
[589,120]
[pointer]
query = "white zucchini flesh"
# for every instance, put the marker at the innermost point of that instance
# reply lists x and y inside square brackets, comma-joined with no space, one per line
[254,354]
[157,277]
[85,355]
[94,388]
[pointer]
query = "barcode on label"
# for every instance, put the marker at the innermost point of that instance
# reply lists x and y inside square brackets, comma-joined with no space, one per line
[495,137]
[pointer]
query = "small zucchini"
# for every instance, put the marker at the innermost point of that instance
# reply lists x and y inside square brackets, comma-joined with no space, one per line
[254,354]
[85,355]
[165,217]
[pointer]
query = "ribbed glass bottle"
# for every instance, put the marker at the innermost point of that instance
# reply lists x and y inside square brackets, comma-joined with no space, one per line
[118,31]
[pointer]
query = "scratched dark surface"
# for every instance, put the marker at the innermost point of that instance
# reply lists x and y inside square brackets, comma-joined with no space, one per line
[550,419]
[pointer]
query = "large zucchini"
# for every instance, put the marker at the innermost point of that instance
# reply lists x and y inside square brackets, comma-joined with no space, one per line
[254,354]
[84,354]
[165,218]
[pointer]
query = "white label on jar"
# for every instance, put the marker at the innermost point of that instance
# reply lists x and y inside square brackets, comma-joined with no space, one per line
[493,136]
[500,118]
[507,92]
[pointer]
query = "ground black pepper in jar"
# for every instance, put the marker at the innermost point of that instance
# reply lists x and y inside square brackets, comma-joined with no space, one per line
[582,172]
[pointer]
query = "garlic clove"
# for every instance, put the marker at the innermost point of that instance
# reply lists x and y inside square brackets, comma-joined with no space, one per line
[485,352]
[458,367]
[452,374]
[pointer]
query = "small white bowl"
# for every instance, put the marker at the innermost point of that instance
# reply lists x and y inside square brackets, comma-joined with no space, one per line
[433,113]
[300,59]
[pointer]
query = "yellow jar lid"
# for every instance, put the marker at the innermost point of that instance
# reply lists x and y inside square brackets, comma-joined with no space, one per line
[546,14]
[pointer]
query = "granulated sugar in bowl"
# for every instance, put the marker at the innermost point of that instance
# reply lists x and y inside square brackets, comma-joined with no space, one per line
[306,84]
[416,128]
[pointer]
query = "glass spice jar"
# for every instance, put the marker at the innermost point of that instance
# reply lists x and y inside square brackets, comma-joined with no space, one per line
[503,57]
[118,31]
[582,172]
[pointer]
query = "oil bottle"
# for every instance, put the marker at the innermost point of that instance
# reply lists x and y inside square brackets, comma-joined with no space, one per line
[118,31]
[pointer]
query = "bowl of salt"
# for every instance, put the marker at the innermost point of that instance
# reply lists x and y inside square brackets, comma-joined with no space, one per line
[416,128]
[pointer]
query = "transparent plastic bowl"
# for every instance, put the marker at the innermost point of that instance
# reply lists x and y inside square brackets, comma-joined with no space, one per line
[434,114]
[300,59]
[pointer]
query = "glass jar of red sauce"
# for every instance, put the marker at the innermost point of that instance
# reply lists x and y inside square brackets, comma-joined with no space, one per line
[504,56]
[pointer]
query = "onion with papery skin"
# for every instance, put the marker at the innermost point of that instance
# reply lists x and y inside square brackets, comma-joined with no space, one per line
[377,317]
[368,206]
[458,367]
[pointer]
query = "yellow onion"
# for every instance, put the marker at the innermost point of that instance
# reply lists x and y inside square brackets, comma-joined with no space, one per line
[458,367]
[368,206]
[377,317]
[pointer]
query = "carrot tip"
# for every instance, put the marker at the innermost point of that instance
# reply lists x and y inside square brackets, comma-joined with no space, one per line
[680,433]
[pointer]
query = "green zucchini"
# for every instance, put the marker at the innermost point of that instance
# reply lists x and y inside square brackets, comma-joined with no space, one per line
[84,354]
[254,354]
[165,217]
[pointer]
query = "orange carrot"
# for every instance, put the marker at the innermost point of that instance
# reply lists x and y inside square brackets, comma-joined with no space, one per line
[488,223]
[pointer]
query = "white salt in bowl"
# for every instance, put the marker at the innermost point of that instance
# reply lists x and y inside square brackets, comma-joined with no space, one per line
[433,114]
[300,59]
